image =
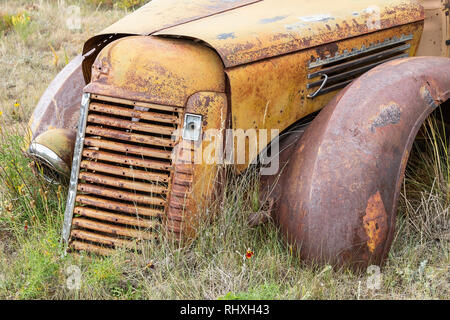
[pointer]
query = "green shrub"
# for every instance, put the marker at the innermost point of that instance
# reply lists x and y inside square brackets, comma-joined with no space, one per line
[20,23]
[5,23]
[38,268]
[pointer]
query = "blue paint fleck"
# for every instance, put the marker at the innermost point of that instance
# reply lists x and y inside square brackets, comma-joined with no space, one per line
[294,26]
[270,20]
[317,18]
[224,36]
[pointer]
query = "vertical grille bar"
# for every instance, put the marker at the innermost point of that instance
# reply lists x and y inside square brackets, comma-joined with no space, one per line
[68,214]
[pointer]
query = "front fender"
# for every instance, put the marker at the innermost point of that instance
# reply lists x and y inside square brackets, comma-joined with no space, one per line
[341,186]
[57,114]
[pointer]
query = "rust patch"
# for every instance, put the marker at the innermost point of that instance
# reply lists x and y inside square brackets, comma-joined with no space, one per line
[426,95]
[375,222]
[389,115]
[327,50]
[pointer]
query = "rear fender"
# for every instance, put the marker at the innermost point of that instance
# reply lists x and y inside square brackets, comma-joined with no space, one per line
[340,189]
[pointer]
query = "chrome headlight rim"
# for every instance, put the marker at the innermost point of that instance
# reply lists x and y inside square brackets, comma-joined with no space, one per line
[50,159]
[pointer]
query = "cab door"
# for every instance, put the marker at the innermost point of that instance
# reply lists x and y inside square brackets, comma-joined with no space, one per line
[446,7]
[435,39]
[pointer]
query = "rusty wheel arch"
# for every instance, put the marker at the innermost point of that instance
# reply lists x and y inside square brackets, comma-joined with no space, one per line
[339,192]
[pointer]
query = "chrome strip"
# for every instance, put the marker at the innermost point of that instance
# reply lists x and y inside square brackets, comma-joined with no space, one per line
[354,71]
[356,61]
[355,52]
[324,82]
[68,214]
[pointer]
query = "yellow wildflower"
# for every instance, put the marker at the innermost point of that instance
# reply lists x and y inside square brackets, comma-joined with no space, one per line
[17,104]
[19,188]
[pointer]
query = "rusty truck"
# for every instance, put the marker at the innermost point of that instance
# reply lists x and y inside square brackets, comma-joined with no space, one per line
[345,84]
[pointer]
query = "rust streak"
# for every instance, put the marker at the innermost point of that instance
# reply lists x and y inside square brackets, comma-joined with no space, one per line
[122,195]
[132,161]
[131,125]
[83,246]
[116,218]
[126,136]
[121,183]
[99,238]
[118,206]
[126,112]
[127,148]
[112,229]
[126,172]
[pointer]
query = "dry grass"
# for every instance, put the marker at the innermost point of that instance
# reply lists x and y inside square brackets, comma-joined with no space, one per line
[212,267]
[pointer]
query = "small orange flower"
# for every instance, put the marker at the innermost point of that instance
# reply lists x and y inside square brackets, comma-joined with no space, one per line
[249,254]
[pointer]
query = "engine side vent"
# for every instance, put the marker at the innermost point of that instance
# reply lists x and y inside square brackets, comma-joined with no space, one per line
[124,174]
[334,73]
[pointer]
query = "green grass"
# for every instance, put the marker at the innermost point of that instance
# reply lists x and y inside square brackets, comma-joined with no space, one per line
[32,261]
[121,4]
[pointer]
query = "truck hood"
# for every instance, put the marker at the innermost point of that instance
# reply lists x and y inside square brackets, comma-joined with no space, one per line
[244,31]
[159,14]
[273,27]
[155,15]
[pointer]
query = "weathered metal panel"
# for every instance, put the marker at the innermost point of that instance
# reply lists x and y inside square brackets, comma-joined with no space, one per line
[196,172]
[150,69]
[271,28]
[273,93]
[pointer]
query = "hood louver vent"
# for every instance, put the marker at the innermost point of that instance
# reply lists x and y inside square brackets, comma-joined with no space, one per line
[336,72]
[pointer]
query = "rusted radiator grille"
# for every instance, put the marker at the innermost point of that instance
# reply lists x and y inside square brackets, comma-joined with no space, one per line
[124,174]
